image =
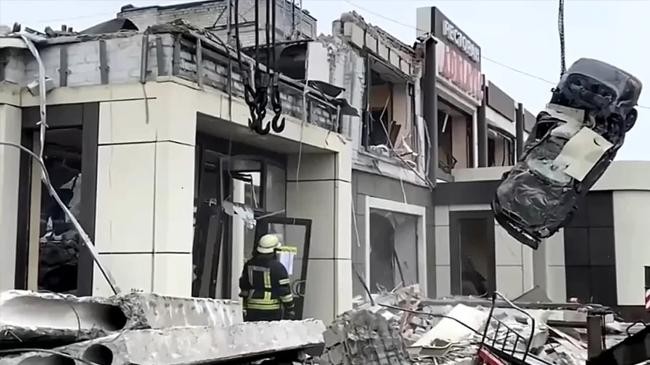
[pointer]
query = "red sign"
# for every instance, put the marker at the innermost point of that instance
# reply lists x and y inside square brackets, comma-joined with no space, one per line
[459,70]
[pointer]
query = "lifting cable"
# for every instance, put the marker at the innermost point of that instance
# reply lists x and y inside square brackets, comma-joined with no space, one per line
[249,92]
[560,26]
[258,84]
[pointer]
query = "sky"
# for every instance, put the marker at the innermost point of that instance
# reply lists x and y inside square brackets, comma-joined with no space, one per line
[518,38]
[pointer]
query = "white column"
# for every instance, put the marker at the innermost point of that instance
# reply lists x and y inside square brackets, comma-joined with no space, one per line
[322,193]
[145,192]
[10,131]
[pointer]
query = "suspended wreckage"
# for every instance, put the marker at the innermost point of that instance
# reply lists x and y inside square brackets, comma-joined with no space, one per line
[257,94]
[571,145]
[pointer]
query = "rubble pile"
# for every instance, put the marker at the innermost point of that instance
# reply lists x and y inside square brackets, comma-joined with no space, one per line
[142,328]
[401,327]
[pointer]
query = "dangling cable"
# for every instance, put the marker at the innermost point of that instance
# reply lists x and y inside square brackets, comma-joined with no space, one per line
[276,103]
[257,35]
[560,25]
[249,92]
[293,17]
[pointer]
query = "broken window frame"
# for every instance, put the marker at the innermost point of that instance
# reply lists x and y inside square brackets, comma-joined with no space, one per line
[86,117]
[368,110]
[448,160]
[509,148]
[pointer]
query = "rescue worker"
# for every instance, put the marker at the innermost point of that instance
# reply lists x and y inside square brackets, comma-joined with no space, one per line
[265,286]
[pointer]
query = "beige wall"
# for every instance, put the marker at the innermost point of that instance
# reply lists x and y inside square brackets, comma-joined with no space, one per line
[10,131]
[322,192]
[631,232]
[154,162]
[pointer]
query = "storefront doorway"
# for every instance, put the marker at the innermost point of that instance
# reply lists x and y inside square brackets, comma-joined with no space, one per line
[238,197]
[472,253]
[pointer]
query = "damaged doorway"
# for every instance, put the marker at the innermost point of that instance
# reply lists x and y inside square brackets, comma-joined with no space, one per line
[473,263]
[234,186]
[395,246]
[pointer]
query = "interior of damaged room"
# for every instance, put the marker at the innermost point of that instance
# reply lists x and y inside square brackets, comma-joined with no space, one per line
[318,182]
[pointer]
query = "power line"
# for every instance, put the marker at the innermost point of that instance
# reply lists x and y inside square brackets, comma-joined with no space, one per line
[514,69]
[426,31]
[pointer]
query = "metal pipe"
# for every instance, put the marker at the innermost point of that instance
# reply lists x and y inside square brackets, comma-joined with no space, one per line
[482,128]
[430,103]
[519,128]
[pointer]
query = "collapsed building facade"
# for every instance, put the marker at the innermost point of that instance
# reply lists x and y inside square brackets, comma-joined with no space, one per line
[383,172]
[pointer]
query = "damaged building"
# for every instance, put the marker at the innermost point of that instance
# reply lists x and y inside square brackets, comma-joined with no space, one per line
[148,143]
[399,218]
[381,177]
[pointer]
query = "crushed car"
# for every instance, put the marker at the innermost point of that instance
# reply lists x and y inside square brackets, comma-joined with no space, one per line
[573,142]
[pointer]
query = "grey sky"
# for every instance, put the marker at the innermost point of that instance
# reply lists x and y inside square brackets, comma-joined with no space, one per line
[517,33]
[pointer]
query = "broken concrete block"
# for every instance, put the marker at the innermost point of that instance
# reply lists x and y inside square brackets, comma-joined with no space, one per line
[188,345]
[382,50]
[363,337]
[31,317]
[371,42]
[148,310]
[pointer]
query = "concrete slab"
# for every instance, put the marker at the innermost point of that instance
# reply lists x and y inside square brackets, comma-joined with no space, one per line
[35,318]
[148,310]
[31,317]
[186,345]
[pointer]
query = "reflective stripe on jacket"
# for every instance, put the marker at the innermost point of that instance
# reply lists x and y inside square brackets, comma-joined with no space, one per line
[265,284]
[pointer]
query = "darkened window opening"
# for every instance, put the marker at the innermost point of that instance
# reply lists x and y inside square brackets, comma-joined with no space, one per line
[388,110]
[455,137]
[501,148]
[58,239]
[46,236]
[472,253]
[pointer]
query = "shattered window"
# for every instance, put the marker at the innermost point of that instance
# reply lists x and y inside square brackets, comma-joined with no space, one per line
[454,138]
[393,250]
[59,241]
[501,149]
[390,129]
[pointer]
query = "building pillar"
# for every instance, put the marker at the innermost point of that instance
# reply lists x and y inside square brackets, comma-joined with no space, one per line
[482,128]
[145,183]
[320,190]
[519,129]
[430,105]
[10,131]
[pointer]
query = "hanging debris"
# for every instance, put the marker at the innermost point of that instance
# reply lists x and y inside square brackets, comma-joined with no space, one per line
[573,142]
